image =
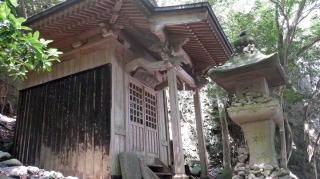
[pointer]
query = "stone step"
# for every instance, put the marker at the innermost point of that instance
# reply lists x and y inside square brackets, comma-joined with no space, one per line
[155,165]
[163,173]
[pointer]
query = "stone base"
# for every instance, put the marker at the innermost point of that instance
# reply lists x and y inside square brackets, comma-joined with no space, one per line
[260,138]
[260,171]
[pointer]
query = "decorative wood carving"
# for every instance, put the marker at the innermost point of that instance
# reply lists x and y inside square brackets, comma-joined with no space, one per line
[141,62]
[76,44]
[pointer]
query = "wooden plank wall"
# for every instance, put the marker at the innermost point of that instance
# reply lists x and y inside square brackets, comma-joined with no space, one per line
[80,59]
[65,125]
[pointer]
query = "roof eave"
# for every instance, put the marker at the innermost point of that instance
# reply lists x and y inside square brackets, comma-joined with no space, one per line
[205,5]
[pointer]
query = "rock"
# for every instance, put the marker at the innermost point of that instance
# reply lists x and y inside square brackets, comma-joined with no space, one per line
[14,171]
[235,168]
[255,167]
[254,172]
[33,170]
[261,166]
[34,177]
[70,177]
[241,168]
[242,158]
[4,156]
[268,167]
[283,172]
[251,176]
[266,173]
[274,174]
[44,175]
[285,177]
[240,164]
[242,150]
[7,122]
[11,162]
[236,177]
[6,146]
[242,173]
[54,174]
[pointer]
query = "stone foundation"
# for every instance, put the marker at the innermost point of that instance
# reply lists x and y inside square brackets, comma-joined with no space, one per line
[244,171]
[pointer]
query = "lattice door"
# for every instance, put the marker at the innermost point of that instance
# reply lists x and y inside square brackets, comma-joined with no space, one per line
[151,126]
[143,124]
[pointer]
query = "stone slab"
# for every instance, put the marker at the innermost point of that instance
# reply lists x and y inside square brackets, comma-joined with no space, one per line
[130,166]
[260,138]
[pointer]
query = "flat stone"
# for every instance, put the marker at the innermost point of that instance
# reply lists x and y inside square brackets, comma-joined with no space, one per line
[4,156]
[130,166]
[268,167]
[14,171]
[11,162]
[254,172]
[255,167]
[33,170]
[240,164]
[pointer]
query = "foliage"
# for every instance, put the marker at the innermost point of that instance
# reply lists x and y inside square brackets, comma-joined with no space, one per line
[21,49]
[31,7]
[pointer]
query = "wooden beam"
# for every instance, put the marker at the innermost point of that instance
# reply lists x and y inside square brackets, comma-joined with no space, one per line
[149,65]
[186,77]
[115,11]
[175,123]
[187,59]
[200,137]
[178,40]
[160,86]
[78,37]
[159,20]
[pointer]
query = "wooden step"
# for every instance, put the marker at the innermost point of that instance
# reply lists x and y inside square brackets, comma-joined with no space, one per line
[163,174]
[155,165]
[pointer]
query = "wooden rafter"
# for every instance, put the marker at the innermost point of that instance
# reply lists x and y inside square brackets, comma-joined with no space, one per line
[115,11]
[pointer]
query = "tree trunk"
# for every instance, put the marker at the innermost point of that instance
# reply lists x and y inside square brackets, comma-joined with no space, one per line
[224,129]
[32,7]
[23,9]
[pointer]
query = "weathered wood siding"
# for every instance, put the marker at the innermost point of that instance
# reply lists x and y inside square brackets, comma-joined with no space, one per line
[80,59]
[65,124]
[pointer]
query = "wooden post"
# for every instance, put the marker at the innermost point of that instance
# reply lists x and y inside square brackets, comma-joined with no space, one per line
[200,137]
[175,123]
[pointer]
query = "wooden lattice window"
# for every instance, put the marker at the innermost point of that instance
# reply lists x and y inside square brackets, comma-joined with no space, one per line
[136,109]
[151,115]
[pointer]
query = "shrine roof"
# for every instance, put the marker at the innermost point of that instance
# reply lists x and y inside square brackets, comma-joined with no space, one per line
[207,45]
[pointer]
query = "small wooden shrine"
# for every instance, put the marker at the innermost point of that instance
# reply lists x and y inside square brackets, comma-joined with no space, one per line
[107,95]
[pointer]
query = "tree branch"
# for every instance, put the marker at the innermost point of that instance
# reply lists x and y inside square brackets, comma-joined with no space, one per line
[307,46]
[315,145]
[307,12]
[281,11]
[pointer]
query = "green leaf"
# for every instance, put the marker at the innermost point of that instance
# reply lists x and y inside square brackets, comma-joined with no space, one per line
[36,35]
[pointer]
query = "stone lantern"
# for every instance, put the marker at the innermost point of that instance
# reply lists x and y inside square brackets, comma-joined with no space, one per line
[249,74]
